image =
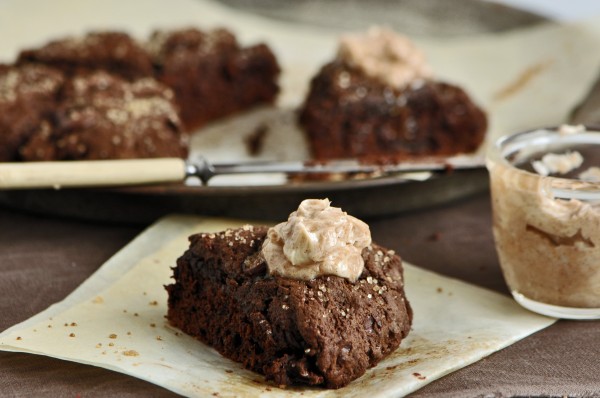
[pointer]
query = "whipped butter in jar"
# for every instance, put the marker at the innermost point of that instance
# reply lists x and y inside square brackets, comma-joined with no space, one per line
[545,187]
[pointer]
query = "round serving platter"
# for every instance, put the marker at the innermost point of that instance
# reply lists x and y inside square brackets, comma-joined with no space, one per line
[365,198]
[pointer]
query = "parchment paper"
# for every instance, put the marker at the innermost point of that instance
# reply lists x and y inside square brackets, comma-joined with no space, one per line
[115,320]
[524,79]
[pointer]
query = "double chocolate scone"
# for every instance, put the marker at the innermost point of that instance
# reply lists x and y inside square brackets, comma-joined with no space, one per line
[113,52]
[308,302]
[28,96]
[211,74]
[106,96]
[102,116]
[378,100]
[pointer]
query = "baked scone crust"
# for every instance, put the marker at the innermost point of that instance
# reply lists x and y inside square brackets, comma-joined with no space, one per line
[348,114]
[28,95]
[211,74]
[113,52]
[323,332]
[105,117]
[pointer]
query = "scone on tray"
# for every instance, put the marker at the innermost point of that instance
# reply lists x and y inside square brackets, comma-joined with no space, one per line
[28,95]
[311,301]
[211,74]
[378,100]
[103,116]
[113,52]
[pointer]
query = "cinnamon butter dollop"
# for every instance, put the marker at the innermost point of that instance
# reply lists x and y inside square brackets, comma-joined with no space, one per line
[385,55]
[317,240]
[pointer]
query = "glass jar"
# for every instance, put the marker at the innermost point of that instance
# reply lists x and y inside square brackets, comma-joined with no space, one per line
[547,227]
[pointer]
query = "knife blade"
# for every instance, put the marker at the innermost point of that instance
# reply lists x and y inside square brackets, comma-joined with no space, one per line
[205,170]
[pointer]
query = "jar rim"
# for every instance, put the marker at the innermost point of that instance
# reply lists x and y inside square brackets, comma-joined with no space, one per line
[538,140]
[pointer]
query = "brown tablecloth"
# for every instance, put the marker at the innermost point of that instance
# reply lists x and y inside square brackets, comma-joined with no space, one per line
[42,259]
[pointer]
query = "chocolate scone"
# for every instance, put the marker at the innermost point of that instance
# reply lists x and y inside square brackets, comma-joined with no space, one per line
[114,52]
[377,100]
[325,330]
[211,74]
[105,117]
[28,95]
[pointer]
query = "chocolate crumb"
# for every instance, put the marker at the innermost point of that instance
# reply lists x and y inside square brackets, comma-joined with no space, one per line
[256,139]
[19,338]
[72,335]
[439,290]
[112,336]
[154,302]
[434,237]
[111,344]
[153,325]
[73,324]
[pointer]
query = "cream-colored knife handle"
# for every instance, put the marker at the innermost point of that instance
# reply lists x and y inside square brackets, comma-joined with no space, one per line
[87,173]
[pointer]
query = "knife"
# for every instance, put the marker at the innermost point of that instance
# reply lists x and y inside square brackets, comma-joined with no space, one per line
[95,173]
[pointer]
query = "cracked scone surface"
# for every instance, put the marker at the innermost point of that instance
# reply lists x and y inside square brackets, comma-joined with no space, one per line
[322,332]
[28,95]
[105,117]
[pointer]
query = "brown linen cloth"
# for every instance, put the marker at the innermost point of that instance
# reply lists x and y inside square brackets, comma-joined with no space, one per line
[42,259]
